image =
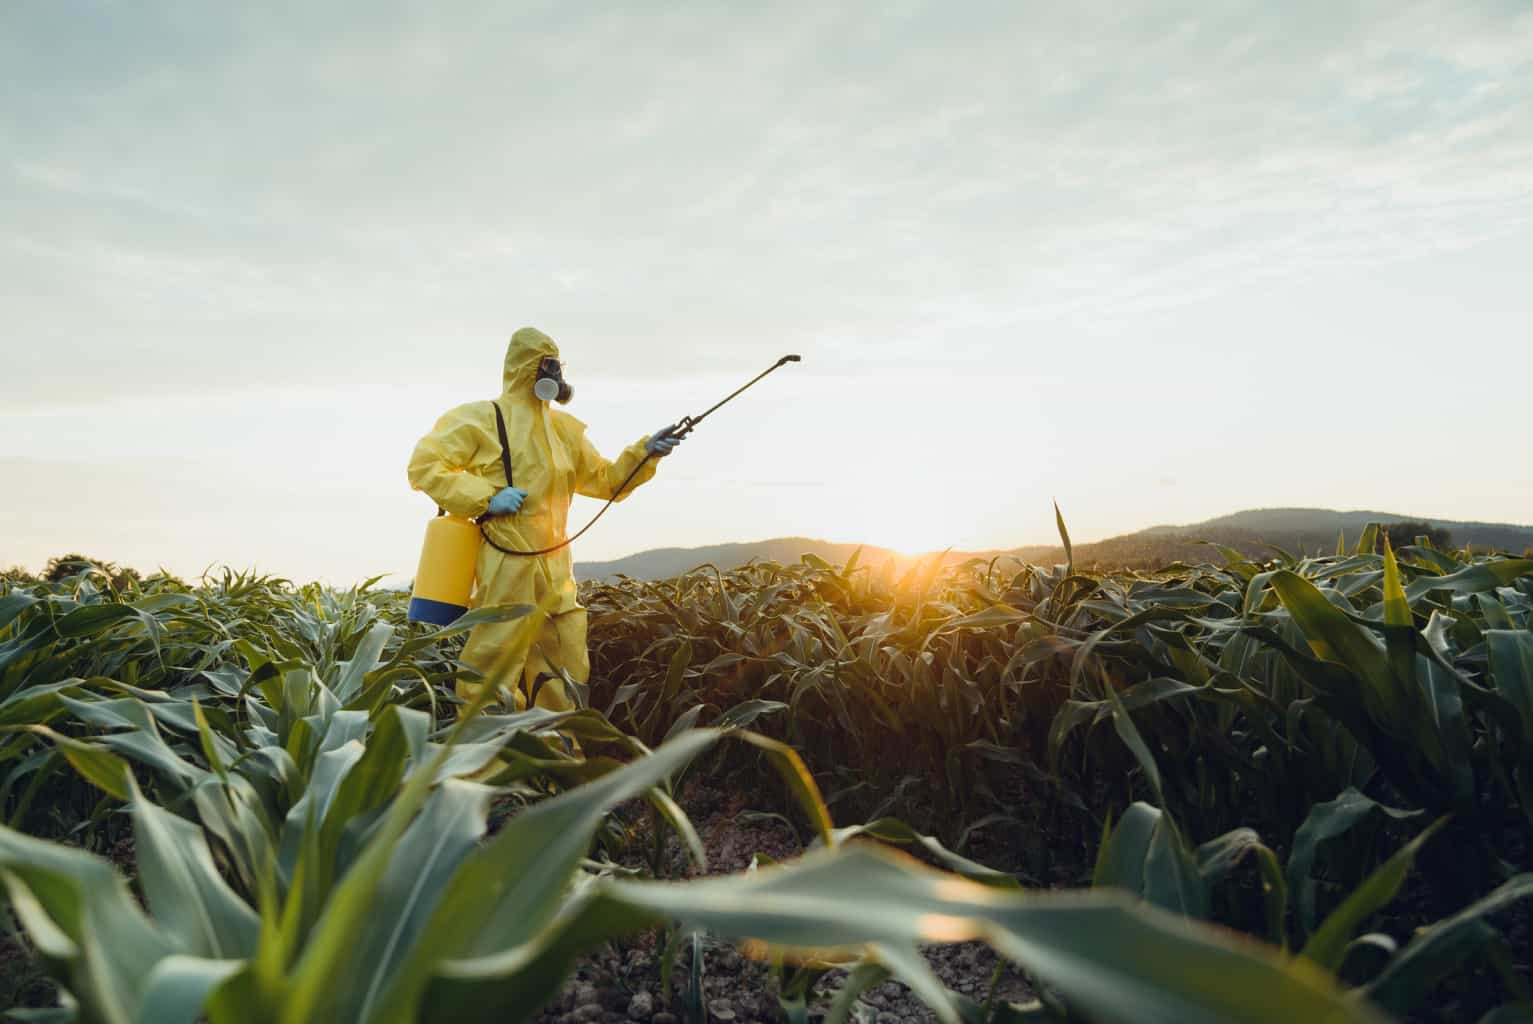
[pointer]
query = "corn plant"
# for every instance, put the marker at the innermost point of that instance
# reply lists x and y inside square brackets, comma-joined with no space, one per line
[306,739]
[1149,854]
[316,853]
[981,696]
[425,925]
[937,688]
[157,644]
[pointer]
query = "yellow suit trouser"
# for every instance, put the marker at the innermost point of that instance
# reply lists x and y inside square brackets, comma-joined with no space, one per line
[560,644]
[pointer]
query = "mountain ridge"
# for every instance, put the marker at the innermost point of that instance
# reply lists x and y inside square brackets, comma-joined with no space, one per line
[1250,531]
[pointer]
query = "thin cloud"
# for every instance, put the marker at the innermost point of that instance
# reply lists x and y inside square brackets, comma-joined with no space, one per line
[723,174]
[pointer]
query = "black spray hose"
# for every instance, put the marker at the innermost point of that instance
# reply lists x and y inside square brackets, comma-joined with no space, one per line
[679,429]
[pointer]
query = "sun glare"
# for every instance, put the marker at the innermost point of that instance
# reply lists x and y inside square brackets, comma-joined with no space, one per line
[906,531]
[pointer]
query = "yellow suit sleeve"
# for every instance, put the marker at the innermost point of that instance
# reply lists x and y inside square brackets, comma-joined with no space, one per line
[439,464]
[595,477]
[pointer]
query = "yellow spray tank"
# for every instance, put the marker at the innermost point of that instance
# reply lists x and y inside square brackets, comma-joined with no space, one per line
[445,577]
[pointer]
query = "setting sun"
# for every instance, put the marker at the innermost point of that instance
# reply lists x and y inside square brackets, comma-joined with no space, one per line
[904,530]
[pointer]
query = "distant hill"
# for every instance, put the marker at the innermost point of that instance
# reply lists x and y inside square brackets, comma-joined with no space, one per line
[1250,532]
[1255,531]
[1300,529]
[1320,520]
[663,563]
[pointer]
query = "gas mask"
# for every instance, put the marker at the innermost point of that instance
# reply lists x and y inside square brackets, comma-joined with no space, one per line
[550,385]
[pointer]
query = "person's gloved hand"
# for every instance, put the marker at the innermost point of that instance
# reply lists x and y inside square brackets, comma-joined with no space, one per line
[660,443]
[507,501]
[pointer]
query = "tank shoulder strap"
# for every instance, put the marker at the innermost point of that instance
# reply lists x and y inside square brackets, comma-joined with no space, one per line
[505,445]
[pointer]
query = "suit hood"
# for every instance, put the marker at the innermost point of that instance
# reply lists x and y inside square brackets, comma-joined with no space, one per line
[529,346]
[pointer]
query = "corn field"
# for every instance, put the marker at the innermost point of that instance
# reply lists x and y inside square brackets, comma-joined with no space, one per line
[1294,789]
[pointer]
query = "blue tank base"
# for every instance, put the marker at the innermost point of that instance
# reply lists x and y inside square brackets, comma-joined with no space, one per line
[437,613]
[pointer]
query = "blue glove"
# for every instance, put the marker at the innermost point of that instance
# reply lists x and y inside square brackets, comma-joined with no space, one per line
[661,443]
[507,501]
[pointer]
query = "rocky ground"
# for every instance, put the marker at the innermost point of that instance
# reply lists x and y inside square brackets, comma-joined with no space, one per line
[616,986]
[626,983]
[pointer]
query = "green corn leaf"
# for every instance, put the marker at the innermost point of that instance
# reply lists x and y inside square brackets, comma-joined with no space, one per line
[1445,736]
[37,705]
[101,768]
[1438,950]
[431,850]
[210,747]
[1494,613]
[1329,942]
[178,988]
[78,909]
[184,890]
[1219,857]
[1113,959]
[1326,821]
[682,825]
[992,617]
[1274,896]
[898,833]
[12,605]
[1511,672]
[861,978]
[1431,560]
[1064,536]
[508,890]
[746,713]
[1171,878]
[1121,856]
[907,963]
[1400,638]
[232,810]
[370,784]
[1128,732]
[1071,716]
[1146,855]
[795,774]
[1473,579]
[91,620]
[309,994]
[302,826]
[1335,638]
[366,659]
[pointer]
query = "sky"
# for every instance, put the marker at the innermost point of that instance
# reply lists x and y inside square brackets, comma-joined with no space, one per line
[1155,261]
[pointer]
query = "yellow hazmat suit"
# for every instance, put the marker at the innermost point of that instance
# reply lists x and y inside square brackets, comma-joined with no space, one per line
[458,465]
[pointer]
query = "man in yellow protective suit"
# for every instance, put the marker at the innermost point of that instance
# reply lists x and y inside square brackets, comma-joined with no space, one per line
[459,466]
